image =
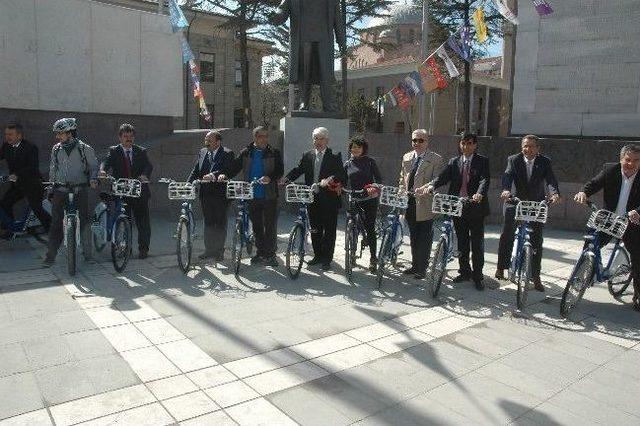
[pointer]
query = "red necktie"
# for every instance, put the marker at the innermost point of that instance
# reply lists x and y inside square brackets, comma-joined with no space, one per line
[465,179]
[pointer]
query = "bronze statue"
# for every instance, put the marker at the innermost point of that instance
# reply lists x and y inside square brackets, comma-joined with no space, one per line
[311,54]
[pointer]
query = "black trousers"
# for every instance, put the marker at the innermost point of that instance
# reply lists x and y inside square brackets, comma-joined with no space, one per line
[470,232]
[421,238]
[214,210]
[56,231]
[323,218]
[506,242]
[138,208]
[369,215]
[264,218]
[34,198]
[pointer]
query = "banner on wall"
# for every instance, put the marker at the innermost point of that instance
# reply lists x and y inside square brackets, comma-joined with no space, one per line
[542,7]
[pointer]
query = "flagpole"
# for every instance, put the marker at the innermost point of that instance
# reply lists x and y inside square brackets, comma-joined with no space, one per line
[467,78]
[423,56]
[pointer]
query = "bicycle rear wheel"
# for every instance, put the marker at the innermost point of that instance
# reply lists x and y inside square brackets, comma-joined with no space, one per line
[524,277]
[295,251]
[578,282]
[350,247]
[386,246]
[621,277]
[183,244]
[70,229]
[121,243]
[236,251]
[435,271]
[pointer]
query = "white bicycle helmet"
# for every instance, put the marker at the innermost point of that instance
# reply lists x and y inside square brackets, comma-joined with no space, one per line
[65,125]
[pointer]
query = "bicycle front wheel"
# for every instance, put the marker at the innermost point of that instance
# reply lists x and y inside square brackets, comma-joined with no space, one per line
[236,251]
[350,246]
[621,276]
[295,251]
[100,223]
[524,277]
[578,282]
[183,244]
[435,271]
[386,246]
[121,243]
[70,229]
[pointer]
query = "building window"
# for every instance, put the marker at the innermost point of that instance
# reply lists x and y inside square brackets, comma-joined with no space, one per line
[238,118]
[207,67]
[208,125]
[238,74]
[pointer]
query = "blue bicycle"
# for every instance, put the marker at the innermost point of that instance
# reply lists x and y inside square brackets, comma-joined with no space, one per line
[589,268]
[299,234]
[392,231]
[243,236]
[520,269]
[19,227]
[450,206]
[111,224]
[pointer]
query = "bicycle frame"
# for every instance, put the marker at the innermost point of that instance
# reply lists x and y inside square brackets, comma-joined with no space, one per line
[447,232]
[594,246]
[70,209]
[243,215]
[522,238]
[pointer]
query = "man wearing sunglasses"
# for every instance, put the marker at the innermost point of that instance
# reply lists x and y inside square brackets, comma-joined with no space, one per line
[419,167]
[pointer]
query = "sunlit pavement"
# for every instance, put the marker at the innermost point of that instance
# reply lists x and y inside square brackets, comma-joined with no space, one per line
[154,346]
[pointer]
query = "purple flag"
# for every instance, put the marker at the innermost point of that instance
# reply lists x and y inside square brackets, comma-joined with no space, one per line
[542,7]
[463,46]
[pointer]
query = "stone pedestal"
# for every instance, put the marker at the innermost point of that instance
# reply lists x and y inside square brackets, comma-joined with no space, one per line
[297,137]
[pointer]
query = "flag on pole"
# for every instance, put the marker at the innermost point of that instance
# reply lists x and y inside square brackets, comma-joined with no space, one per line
[463,46]
[187,54]
[390,99]
[402,99]
[176,17]
[448,63]
[507,13]
[542,7]
[413,82]
[432,78]
[481,25]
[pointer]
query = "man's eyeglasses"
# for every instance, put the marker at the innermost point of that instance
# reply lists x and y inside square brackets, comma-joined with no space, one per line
[418,140]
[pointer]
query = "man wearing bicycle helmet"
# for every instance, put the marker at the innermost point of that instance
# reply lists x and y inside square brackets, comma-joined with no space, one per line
[73,162]
[621,193]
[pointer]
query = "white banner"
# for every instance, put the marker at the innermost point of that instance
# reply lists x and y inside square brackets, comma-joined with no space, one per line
[504,10]
[451,67]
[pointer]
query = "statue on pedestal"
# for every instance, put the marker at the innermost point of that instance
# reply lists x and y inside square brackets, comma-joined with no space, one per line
[313,24]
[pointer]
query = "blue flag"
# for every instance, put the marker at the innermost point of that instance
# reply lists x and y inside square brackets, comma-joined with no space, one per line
[176,17]
[463,46]
[187,54]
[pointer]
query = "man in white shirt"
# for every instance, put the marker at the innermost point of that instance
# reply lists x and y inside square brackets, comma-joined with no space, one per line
[621,194]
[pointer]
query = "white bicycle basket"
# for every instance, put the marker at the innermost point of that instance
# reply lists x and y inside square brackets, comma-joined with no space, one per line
[394,197]
[239,190]
[608,222]
[182,191]
[532,211]
[295,193]
[449,205]
[127,188]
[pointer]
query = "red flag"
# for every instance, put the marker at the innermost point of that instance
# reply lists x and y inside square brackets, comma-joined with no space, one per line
[402,97]
[432,78]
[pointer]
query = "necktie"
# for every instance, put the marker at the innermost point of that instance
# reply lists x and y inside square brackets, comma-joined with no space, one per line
[412,175]
[465,179]
[206,164]
[127,162]
[316,166]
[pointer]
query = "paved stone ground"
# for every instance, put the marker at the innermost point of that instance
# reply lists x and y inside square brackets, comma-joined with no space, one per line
[154,346]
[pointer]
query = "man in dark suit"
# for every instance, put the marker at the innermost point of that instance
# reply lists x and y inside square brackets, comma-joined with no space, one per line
[468,176]
[128,160]
[24,174]
[532,177]
[321,165]
[212,167]
[621,194]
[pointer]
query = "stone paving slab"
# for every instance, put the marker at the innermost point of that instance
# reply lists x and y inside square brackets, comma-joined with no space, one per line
[155,346]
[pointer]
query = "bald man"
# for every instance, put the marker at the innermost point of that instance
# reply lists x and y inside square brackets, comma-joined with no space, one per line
[213,165]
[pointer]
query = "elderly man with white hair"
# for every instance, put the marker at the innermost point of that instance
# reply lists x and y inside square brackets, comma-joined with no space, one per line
[321,165]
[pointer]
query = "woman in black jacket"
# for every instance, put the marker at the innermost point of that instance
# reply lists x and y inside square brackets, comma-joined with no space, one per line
[362,171]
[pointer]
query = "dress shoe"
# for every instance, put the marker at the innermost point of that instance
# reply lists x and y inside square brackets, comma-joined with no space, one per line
[409,271]
[373,266]
[479,284]
[143,254]
[419,275]
[537,284]
[256,260]
[499,274]
[636,303]
[314,261]
[219,257]
[271,261]
[204,256]
[326,266]
[461,278]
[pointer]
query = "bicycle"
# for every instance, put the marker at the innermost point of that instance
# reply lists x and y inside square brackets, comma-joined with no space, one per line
[243,235]
[354,229]
[186,225]
[299,233]
[19,227]
[589,268]
[70,222]
[393,231]
[520,269]
[450,206]
[111,224]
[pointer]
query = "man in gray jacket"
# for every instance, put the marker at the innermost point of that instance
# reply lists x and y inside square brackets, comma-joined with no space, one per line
[73,162]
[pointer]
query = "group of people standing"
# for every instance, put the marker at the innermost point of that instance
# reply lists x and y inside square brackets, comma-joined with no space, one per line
[528,176]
